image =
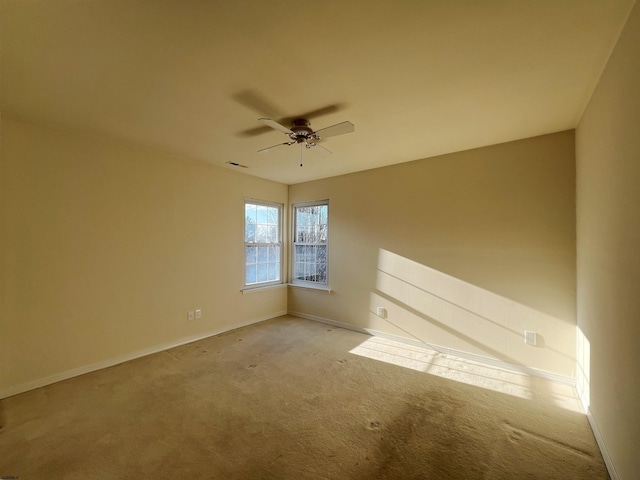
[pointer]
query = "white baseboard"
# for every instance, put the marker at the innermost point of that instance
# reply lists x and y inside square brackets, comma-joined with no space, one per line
[554,377]
[74,372]
[603,447]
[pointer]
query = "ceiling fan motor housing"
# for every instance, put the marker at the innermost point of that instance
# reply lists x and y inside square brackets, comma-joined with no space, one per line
[302,131]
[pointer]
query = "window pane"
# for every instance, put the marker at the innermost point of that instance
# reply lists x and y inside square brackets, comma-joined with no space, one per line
[251,254]
[321,259]
[262,214]
[321,254]
[250,213]
[324,210]
[299,271]
[274,271]
[250,233]
[322,271]
[261,234]
[322,234]
[272,235]
[262,272]
[272,216]
[311,271]
[301,219]
[250,274]
[263,254]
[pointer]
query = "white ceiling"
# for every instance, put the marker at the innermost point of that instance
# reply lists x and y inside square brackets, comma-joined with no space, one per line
[417,78]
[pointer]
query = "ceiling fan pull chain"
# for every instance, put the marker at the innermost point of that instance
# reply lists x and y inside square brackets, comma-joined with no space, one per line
[301,154]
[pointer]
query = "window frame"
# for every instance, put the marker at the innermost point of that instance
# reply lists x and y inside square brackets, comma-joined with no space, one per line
[294,243]
[279,243]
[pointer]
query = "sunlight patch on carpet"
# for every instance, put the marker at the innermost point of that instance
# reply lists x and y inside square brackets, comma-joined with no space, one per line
[466,371]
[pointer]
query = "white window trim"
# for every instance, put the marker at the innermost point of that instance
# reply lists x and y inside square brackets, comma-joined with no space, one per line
[303,283]
[262,288]
[320,287]
[262,285]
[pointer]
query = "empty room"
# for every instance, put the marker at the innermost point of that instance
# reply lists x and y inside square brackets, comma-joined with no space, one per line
[332,239]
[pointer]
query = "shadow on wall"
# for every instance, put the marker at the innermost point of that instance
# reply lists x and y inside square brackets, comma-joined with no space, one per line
[440,310]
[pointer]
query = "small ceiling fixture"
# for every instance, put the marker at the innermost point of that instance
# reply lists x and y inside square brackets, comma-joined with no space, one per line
[235,164]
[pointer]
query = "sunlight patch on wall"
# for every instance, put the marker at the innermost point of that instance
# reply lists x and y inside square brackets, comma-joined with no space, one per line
[436,308]
[583,354]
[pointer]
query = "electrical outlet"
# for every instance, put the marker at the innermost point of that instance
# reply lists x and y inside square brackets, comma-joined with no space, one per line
[381,312]
[198,313]
[191,315]
[530,338]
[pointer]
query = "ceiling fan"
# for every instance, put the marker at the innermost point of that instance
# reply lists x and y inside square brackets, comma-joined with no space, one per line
[301,133]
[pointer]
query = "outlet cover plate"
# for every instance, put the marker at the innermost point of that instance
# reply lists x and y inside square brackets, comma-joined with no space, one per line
[530,338]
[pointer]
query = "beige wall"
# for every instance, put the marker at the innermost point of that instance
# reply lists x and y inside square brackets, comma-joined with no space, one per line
[465,251]
[107,246]
[608,229]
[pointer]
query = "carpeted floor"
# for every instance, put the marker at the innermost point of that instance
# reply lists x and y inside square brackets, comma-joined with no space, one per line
[292,399]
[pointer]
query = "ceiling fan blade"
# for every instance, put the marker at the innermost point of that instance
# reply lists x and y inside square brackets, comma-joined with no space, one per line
[252,132]
[319,151]
[258,103]
[275,125]
[318,112]
[323,111]
[337,129]
[262,150]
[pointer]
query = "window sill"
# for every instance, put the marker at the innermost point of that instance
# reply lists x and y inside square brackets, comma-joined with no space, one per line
[321,288]
[248,290]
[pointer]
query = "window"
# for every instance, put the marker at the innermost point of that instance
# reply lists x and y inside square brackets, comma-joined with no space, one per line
[262,243]
[310,242]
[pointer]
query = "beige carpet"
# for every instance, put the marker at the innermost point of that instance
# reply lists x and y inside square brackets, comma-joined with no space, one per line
[292,399]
